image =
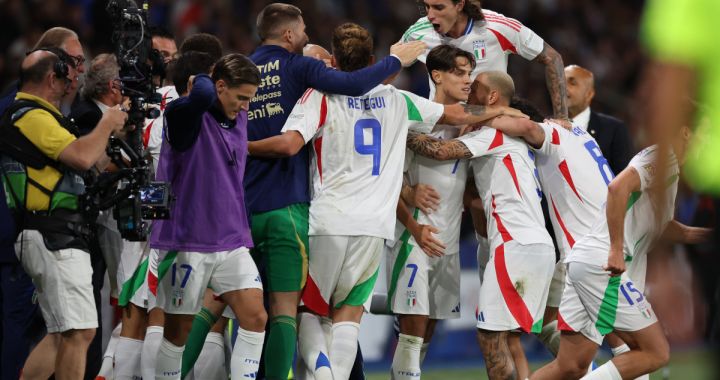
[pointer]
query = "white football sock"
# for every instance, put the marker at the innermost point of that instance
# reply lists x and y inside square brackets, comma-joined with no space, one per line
[211,362]
[106,368]
[423,351]
[153,338]
[343,348]
[127,359]
[406,361]
[550,337]
[607,371]
[312,346]
[245,359]
[169,360]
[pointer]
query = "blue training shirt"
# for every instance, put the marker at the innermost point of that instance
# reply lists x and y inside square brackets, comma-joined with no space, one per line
[274,183]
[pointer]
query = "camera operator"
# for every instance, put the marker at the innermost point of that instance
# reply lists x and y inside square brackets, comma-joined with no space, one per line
[42,162]
[206,240]
[21,318]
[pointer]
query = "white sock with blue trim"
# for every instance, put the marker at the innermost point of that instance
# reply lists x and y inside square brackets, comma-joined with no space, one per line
[245,359]
[312,346]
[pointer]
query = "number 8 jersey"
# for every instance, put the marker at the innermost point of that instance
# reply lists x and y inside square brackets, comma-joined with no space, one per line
[359,152]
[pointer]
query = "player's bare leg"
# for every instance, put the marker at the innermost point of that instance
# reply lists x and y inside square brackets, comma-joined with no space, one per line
[247,304]
[40,364]
[498,358]
[518,354]
[649,352]
[72,354]
[575,354]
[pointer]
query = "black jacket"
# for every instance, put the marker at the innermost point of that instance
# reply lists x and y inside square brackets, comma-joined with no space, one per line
[613,138]
[86,114]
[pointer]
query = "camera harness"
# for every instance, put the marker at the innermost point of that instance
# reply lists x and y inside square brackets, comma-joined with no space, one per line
[62,225]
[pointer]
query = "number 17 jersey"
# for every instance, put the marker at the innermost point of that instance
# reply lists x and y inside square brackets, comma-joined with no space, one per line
[358,146]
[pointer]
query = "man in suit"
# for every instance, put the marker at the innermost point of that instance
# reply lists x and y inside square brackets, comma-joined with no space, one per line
[101,91]
[610,133]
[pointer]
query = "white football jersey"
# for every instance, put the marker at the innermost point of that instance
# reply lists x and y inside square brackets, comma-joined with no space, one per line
[574,176]
[643,222]
[448,178]
[359,152]
[505,179]
[152,134]
[491,41]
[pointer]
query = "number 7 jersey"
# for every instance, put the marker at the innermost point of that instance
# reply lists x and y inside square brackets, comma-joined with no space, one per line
[358,146]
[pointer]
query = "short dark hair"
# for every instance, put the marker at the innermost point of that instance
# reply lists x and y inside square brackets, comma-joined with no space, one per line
[236,70]
[472,8]
[274,16]
[190,63]
[525,106]
[203,42]
[161,32]
[36,73]
[352,46]
[444,58]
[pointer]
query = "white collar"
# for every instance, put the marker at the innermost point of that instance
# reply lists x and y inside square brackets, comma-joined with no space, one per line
[582,119]
[103,107]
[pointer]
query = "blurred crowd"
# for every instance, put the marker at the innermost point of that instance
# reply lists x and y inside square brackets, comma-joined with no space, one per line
[598,35]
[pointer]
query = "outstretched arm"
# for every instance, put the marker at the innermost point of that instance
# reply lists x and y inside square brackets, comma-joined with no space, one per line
[555,80]
[519,127]
[676,232]
[441,150]
[458,114]
[283,145]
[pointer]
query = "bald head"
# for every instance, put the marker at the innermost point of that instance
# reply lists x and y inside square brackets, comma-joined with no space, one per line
[317,52]
[580,89]
[492,88]
[36,66]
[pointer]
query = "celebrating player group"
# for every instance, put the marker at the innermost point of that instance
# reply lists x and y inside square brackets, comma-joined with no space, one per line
[297,171]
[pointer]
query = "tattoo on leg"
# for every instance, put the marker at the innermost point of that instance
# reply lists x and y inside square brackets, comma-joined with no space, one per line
[498,359]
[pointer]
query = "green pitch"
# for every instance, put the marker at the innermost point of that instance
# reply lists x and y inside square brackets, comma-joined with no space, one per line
[695,365]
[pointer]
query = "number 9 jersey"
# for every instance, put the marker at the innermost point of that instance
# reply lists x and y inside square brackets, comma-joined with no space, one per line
[359,152]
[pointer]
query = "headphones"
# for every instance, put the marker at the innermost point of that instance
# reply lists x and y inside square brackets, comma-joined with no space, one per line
[62,66]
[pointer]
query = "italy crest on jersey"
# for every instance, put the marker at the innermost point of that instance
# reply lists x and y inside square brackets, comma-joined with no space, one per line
[479,49]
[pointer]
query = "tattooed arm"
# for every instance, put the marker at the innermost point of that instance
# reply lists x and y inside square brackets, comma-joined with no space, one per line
[555,80]
[458,114]
[441,150]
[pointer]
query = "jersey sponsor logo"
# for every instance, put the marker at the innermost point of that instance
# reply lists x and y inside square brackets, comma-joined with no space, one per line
[274,109]
[479,50]
[264,97]
[271,79]
[366,103]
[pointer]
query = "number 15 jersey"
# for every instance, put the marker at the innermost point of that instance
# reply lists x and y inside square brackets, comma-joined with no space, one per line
[358,146]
